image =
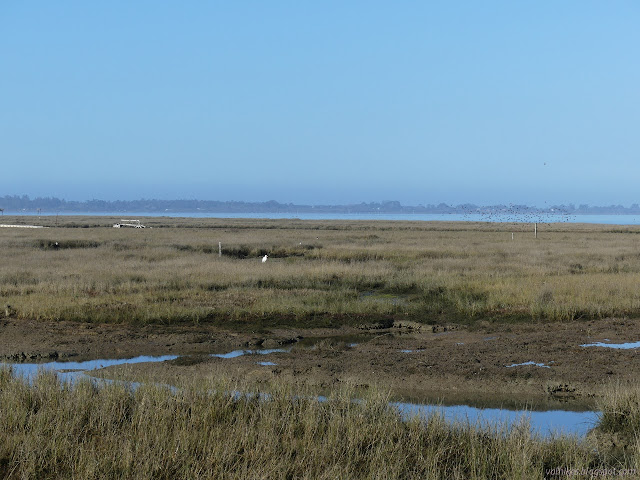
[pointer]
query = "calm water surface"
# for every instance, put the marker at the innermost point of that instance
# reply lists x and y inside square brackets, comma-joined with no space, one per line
[445,217]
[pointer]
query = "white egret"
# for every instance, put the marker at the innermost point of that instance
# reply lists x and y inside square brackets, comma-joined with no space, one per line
[264,259]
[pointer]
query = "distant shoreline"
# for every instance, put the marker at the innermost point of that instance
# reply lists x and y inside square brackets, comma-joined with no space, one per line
[19,205]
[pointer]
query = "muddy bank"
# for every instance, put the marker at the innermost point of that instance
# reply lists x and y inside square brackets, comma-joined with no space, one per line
[32,340]
[540,362]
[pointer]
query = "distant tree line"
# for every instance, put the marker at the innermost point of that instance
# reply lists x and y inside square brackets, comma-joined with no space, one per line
[50,205]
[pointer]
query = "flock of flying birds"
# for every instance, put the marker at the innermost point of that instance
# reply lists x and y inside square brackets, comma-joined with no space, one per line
[517,214]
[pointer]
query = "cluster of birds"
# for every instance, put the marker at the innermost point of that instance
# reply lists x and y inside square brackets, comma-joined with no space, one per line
[517,214]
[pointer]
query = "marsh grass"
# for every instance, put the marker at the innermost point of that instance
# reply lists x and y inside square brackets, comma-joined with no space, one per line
[54,430]
[620,408]
[318,272]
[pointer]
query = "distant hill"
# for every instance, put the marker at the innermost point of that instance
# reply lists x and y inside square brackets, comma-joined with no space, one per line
[50,205]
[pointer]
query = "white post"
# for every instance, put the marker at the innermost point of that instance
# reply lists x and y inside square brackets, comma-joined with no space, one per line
[219,249]
[511,235]
[535,230]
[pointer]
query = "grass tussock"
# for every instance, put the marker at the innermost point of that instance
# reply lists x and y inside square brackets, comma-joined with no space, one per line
[620,408]
[617,435]
[54,430]
[318,272]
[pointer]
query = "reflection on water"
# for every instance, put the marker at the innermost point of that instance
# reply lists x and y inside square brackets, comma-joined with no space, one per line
[545,423]
[624,346]
[239,353]
[74,370]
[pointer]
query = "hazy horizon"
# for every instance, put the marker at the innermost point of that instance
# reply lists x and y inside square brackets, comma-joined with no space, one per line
[284,203]
[333,103]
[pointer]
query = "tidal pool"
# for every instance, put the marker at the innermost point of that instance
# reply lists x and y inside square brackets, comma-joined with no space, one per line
[239,353]
[545,423]
[74,370]
[623,346]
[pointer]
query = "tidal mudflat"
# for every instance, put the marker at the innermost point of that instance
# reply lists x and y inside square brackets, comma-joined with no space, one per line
[541,364]
[427,312]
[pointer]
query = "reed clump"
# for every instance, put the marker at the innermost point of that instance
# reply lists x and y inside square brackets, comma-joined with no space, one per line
[318,272]
[617,435]
[620,407]
[54,430]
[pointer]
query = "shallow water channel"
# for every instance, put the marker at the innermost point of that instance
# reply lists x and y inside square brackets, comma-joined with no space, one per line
[617,346]
[545,423]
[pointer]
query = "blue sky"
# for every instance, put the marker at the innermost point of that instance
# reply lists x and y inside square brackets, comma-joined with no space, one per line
[321,102]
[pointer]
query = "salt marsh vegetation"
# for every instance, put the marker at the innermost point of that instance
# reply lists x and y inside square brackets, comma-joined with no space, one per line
[55,430]
[319,273]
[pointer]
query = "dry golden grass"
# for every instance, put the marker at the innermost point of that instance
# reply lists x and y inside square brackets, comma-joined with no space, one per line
[318,272]
[51,430]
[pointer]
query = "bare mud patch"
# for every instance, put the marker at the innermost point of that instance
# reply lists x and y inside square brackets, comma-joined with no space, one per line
[410,362]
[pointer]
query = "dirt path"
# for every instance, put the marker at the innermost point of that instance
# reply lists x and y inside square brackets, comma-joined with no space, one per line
[455,364]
